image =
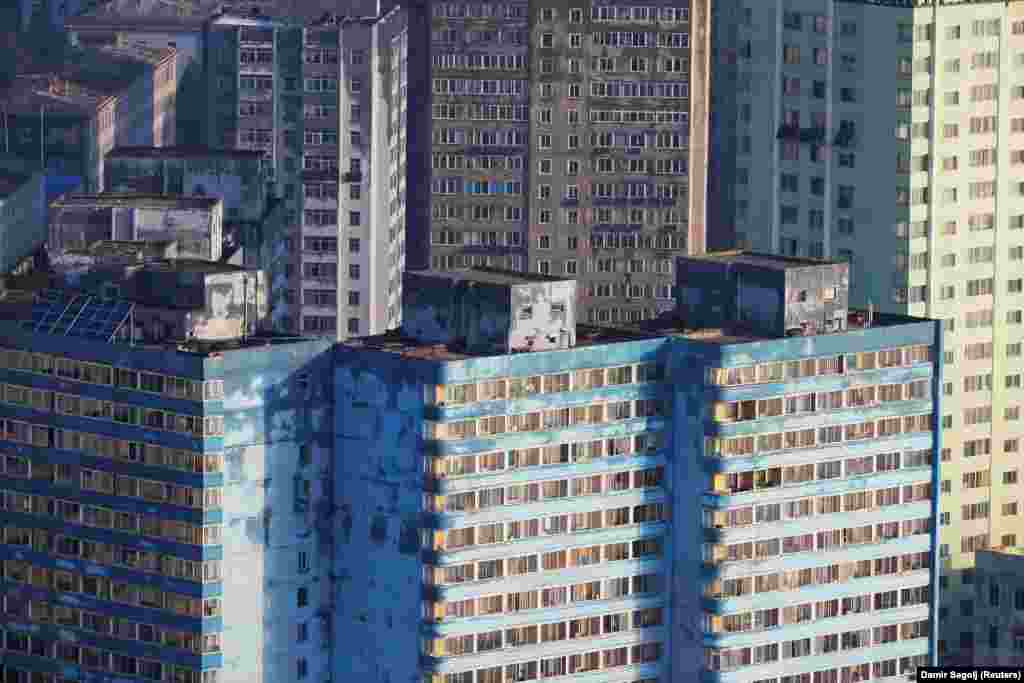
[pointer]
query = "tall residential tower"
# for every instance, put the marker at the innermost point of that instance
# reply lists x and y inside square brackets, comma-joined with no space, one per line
[890,135]
[705,497]
[566,138]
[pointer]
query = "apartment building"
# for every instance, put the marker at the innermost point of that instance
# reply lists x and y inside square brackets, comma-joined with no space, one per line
[236,177]
[194,224]
[708,496]
[997,636]
[50,14]
[23,217]
[66,118]
[157,25]
[886,134]
[146,441]
[567,138]
[323,97]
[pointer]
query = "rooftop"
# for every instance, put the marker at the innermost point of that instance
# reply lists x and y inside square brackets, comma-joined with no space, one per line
[751,258]
[193,266]
[81,316]
[29,93]
[672,325]
[185,14]
[110,249]
[139,199]
[190,15]
[183,152]
[138,53]
[668,325]
[394,341]
[489,276]
[104,69]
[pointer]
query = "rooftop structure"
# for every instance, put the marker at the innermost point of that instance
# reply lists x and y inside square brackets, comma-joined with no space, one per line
[194,223]
[488,309]
[764,293]
[184,152]
[445,309]
[124,199]
[173,301]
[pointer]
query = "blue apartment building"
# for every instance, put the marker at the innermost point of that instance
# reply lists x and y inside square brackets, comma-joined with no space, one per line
[142,485]
[742,491]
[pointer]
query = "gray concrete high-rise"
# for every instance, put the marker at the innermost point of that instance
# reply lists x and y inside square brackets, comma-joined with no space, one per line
[566,138]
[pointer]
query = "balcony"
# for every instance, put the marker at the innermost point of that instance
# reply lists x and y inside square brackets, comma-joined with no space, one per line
[845,137]
[812,135]
[788,132]
[746,482]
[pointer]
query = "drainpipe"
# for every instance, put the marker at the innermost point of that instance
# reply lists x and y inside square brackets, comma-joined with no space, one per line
[42,138]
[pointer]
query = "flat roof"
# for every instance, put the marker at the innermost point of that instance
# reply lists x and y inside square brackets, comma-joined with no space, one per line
[396,342]
[193,266]
[189,14]
[123,248]
[29,93]
[305,11]
[672,325]
[137,52]
[764,260]
[667,326]
[166,15]
[182,152]
[489,276]
[103,69]
[144,199]
[20,310]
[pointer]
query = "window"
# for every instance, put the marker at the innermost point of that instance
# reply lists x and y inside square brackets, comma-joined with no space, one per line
[302,597]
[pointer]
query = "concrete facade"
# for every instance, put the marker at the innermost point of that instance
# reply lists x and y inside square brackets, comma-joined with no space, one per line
[658,503]
[563,531]
[322,96]
[997,609]
[184,34]
[565,138]
[64,118]
[814,100]
[237,177]
[234,176]
[194,223]
[185,607]
[23,225]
